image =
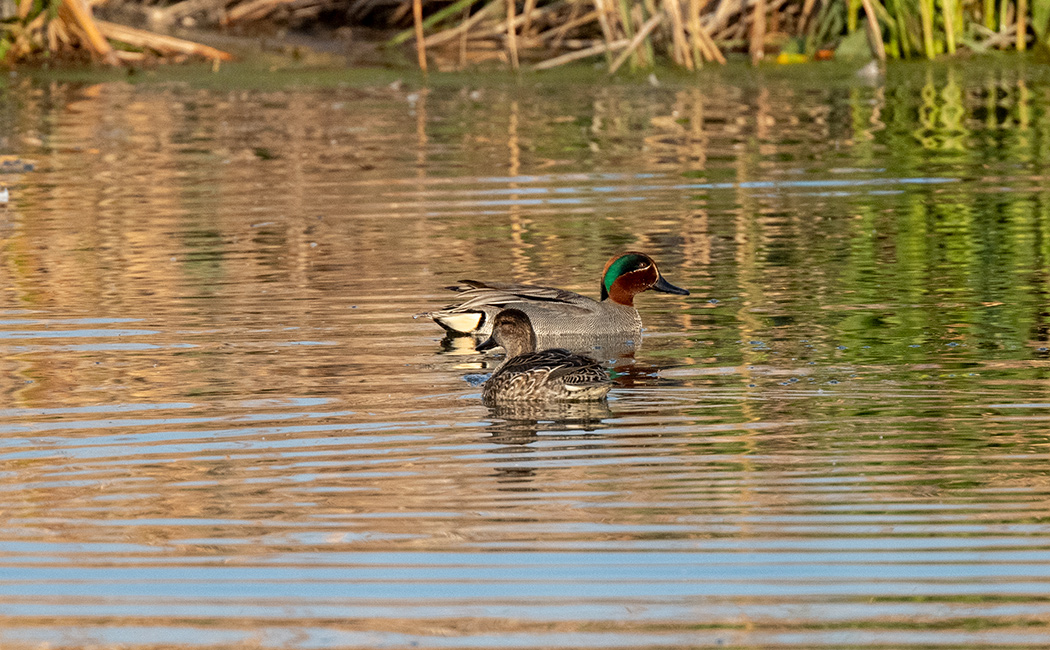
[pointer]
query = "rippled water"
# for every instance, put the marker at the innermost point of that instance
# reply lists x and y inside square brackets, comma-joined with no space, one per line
[222,426]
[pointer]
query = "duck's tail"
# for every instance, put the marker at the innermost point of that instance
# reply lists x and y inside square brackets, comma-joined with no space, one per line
[456,322]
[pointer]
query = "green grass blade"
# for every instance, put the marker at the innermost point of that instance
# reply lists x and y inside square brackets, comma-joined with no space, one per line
[1041,19]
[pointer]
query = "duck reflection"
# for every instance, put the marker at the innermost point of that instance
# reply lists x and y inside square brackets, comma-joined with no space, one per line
[516,426]
[520,423]
[459,344]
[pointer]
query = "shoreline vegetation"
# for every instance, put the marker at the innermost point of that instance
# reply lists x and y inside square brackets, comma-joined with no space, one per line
[538,34]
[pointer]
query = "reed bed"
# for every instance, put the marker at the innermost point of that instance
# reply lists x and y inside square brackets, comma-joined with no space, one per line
[691,33]
[542,34]
[45,29]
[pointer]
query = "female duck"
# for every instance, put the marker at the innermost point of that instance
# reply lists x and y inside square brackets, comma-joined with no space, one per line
[557,312]
[545,376]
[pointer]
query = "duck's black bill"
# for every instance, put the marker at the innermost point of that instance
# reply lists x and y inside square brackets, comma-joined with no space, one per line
[667,287]
[487,344]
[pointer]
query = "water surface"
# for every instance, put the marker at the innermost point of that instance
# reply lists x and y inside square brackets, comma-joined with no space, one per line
[222,427]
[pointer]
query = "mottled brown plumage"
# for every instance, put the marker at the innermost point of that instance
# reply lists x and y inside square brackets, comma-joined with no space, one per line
[547,375]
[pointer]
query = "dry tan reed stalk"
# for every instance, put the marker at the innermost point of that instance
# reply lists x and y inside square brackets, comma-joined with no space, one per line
[462,28]
[463,41]
[501,27]
[725,10]
[758,31]
[1001,39]
[688,35]
[600,48]
[421,44]
[51,32]
[77,13]
[697,46]
[636,42]
[159,42]
[874,32]
[512,34]
[60,33]
[719,27]
[530,6]
[556,33]
[680,42]
[601,7]
[23,45]
[571,18]
[130,57]
[252,10]
[582,43]
[1022,27]
[711,48]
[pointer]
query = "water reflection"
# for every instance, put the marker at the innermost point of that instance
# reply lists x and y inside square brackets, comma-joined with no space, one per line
[520,423]
[222,425]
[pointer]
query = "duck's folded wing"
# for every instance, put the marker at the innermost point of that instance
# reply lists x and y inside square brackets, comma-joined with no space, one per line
[531,362]
[474,294]
[560,364]
[479,301]
[590,376]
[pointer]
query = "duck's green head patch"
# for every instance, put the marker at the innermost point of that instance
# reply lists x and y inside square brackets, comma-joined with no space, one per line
[621,266]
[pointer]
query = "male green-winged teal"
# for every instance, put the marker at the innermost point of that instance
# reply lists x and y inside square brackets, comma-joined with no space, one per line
[553,375]
[557,312]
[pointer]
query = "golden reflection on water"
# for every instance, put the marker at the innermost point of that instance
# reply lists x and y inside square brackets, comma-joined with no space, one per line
[223,427]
